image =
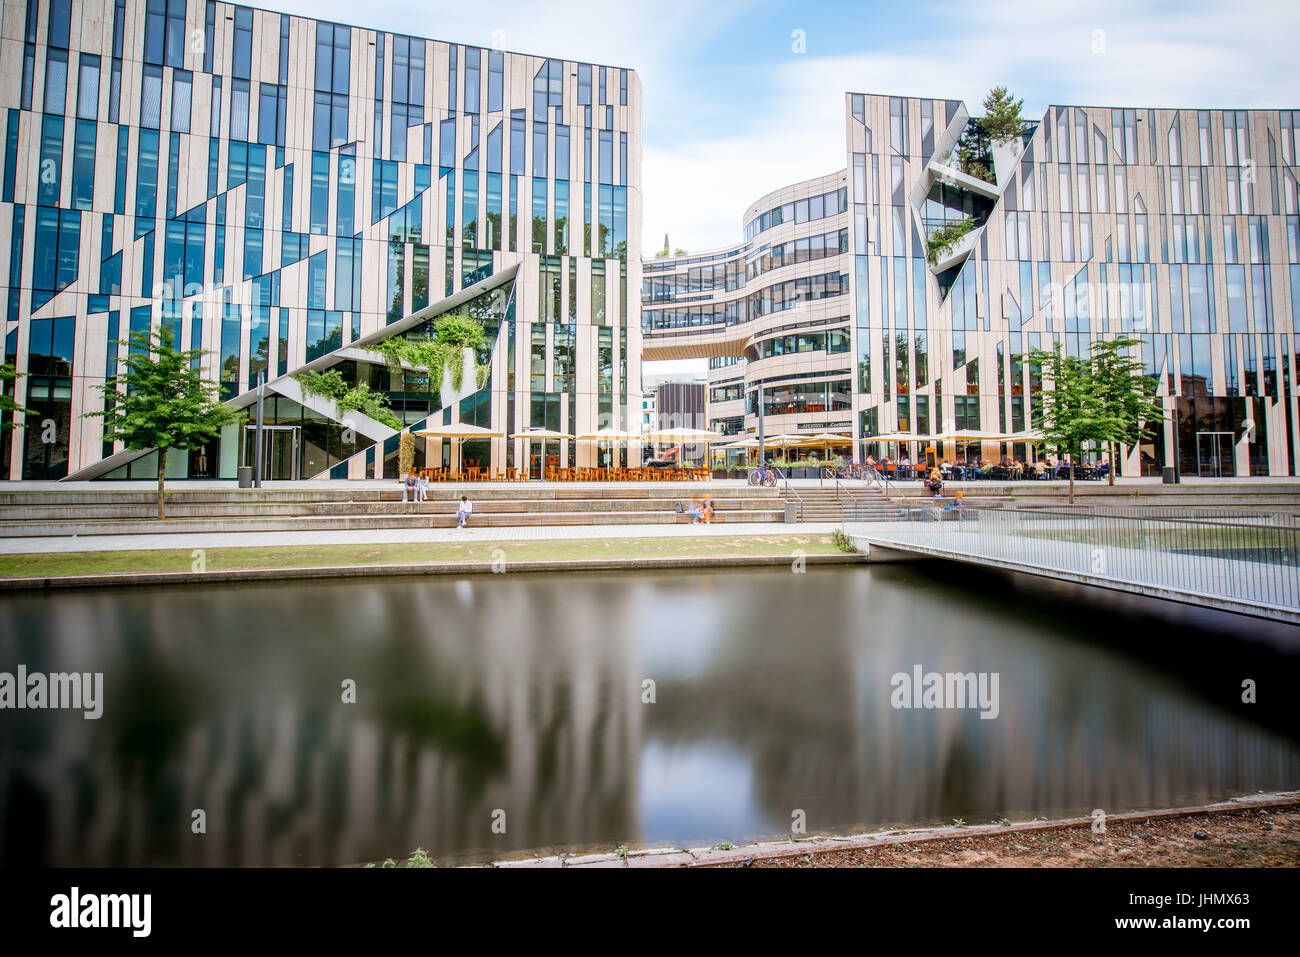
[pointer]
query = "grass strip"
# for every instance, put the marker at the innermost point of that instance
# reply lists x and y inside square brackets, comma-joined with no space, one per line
[57,564]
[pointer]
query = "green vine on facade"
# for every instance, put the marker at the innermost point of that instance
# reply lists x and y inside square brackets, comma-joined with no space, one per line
[453,333]
[358,398]
[941,238]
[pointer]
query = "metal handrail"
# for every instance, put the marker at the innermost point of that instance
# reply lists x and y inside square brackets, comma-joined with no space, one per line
[879,478]
[789,489]
[1205,558]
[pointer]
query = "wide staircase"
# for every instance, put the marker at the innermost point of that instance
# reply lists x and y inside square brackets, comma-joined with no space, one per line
[334,507]
[829,502]
[861,501]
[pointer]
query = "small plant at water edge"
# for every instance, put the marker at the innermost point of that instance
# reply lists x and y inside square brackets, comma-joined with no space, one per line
[420,858]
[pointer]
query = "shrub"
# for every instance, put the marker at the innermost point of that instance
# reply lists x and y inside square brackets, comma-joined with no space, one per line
[358,398]
[452,334]
[940,238]
[405,453]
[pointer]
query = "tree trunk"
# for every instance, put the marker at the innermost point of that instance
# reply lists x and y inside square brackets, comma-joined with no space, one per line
[1110,472]
[162,479]
[1069,470]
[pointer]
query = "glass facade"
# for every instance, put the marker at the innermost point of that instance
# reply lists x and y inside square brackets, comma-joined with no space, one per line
[1178,228]
[275,189]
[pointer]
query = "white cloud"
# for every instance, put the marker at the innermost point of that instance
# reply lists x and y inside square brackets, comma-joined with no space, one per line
[1211,55]
[717,139]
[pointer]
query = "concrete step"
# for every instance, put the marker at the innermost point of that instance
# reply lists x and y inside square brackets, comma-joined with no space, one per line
[93,513]
[423,519]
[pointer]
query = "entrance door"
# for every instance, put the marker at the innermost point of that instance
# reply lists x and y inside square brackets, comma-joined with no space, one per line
[280,451]
[1214,455]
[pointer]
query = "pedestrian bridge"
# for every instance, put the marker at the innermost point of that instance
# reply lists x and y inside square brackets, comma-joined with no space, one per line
[1230,560]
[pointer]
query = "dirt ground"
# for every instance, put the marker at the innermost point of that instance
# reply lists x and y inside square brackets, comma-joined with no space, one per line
[1251,837]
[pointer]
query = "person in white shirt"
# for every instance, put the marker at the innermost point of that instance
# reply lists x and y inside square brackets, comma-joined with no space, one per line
[464,511]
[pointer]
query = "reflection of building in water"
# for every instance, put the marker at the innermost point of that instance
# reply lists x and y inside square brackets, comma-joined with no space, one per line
[499,693]
[523,694]
[1079,727]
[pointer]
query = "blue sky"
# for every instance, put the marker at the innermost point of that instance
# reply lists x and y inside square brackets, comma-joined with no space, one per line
[732,111]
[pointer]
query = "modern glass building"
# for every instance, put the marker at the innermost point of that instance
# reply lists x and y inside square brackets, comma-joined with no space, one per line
[1178,228]
[285,192]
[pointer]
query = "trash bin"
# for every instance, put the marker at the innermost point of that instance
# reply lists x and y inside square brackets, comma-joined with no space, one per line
[245,476]
[1170,476]
[791,513]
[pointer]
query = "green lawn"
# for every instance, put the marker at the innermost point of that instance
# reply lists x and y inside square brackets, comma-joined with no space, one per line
[55,564]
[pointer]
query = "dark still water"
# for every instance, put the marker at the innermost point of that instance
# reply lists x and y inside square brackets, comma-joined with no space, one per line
[524,695]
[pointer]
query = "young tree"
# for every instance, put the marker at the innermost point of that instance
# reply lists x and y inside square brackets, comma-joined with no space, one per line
[1001,118]
[1073,413]
[161,401]
[1127,394]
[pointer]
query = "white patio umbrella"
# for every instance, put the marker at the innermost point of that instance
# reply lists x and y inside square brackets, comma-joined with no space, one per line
[457,433]
[542,435]
[609,435]
[547,434]
[683,436]
[974,435]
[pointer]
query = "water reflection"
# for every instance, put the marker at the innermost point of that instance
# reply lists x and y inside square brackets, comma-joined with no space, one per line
[525,695]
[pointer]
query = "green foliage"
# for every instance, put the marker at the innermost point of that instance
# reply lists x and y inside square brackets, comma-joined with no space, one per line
[1127,392]
[724,846]
[161,400]
[405,453]
[974,157]
[1074,411]
[679,251]
[940,238]
[453,333]
[358,398]
[420,858]
[1001,118]
[328,383]
[621,851]
[958,822]
[842,541]
[8,407]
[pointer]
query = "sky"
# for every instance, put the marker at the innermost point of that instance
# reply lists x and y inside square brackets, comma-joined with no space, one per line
[742,97]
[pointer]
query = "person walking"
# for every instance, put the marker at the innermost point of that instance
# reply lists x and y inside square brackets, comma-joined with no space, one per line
[464,511]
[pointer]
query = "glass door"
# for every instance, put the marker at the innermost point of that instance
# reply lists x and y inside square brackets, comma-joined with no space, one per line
[280,451]
[1214,455]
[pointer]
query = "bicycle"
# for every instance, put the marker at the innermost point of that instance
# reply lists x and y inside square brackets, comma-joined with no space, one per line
[763,475]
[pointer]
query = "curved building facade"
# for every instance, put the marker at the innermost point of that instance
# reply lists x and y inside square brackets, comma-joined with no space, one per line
[1178,228]
[773,314]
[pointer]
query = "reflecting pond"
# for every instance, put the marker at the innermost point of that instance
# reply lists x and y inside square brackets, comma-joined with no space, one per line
[591,710]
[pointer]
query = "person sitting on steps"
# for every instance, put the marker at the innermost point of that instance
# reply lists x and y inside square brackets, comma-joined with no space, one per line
[935,482]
